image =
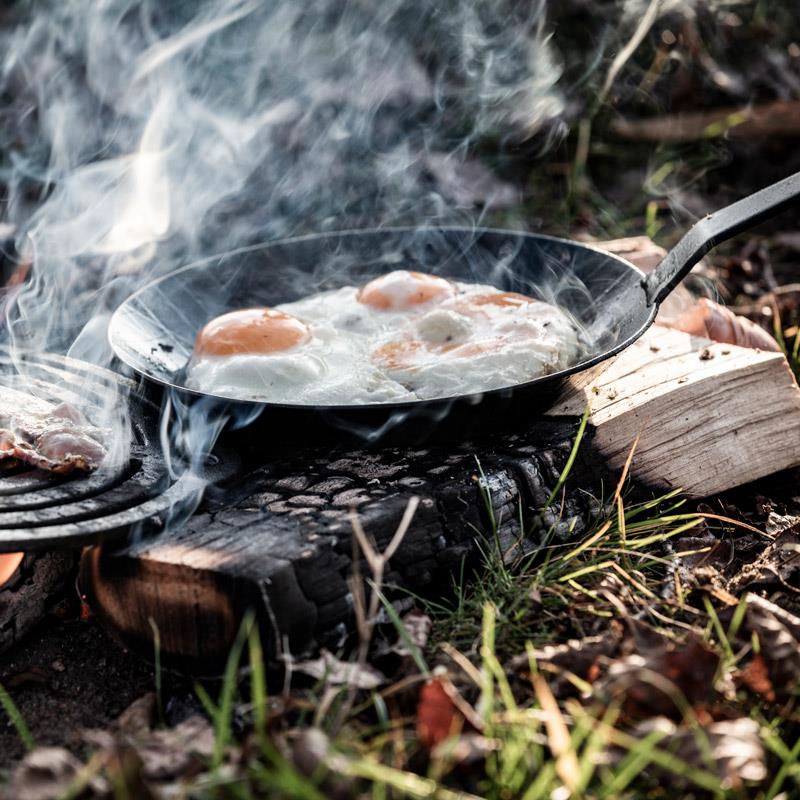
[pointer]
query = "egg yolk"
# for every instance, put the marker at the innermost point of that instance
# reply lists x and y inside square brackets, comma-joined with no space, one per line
[395,355]
[403,290]
[251,330]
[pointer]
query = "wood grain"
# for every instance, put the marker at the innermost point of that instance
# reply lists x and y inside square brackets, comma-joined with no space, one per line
[709,416]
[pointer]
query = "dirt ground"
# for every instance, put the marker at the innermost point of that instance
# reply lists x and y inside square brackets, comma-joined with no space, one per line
[67,676]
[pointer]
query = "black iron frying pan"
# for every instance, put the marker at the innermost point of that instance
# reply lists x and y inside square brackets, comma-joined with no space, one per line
[153,331]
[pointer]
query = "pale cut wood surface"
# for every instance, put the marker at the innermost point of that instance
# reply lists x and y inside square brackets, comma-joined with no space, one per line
[709,416]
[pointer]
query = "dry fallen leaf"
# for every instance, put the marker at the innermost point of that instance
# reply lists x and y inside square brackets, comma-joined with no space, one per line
[641,251]
[179,752]
[138,718]
[661,679]
[712,321]
[578,657]
[418,628]
[731,749]
[437,715]
[755,676]
[778,633]
[340,673]
[778,565]
[47,773]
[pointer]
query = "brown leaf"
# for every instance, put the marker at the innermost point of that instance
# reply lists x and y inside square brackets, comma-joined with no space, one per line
[755,676]
[579,657]
[713,321]
[437,715]
[641,251]
[660,681]
[777,565]
[779,523]
[778,633]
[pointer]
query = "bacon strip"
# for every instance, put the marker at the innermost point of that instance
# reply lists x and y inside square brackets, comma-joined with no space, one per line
[53,437]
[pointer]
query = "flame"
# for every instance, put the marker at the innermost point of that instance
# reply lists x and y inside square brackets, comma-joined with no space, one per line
[9,563]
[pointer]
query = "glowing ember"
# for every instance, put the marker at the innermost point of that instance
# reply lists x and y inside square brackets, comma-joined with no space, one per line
[9,563]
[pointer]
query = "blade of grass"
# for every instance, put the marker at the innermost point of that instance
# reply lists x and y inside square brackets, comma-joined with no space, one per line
[416,653]
[158,675]
[558,738]
[258,683]
[17,720]
[562,478]
[222,720]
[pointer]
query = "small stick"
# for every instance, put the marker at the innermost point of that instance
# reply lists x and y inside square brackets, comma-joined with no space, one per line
[365,618]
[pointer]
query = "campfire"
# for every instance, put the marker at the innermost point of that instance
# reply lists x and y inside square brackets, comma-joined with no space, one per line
[329,405]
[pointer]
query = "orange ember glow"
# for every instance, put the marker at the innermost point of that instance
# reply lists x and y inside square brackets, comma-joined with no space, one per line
[251,330]
[9,562]
[388,294]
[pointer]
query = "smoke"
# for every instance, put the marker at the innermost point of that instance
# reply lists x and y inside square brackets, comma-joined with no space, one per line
[137,136]
[143,135]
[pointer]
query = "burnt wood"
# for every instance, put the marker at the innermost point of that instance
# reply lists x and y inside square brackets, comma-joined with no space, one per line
[279,541]
[24,599]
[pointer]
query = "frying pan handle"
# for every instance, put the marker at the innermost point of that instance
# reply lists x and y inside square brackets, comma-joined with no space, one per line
[716,228]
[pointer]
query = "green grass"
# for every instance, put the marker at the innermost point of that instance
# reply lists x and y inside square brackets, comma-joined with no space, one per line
[532,746]
[537,595]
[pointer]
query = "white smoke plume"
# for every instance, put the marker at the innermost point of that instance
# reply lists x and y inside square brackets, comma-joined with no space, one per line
[139,135]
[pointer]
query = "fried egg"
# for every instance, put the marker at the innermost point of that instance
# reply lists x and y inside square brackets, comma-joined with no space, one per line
[384,304]
[481,339]
[403,336]
[268,354]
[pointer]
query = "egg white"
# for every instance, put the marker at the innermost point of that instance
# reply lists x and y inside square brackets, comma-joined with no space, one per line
[338,365]
[329,369]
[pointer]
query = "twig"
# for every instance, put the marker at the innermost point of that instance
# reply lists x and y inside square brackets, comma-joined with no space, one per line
[649,17]
[366,614]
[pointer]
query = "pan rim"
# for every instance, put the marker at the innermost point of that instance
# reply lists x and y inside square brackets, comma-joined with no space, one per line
[473,398]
